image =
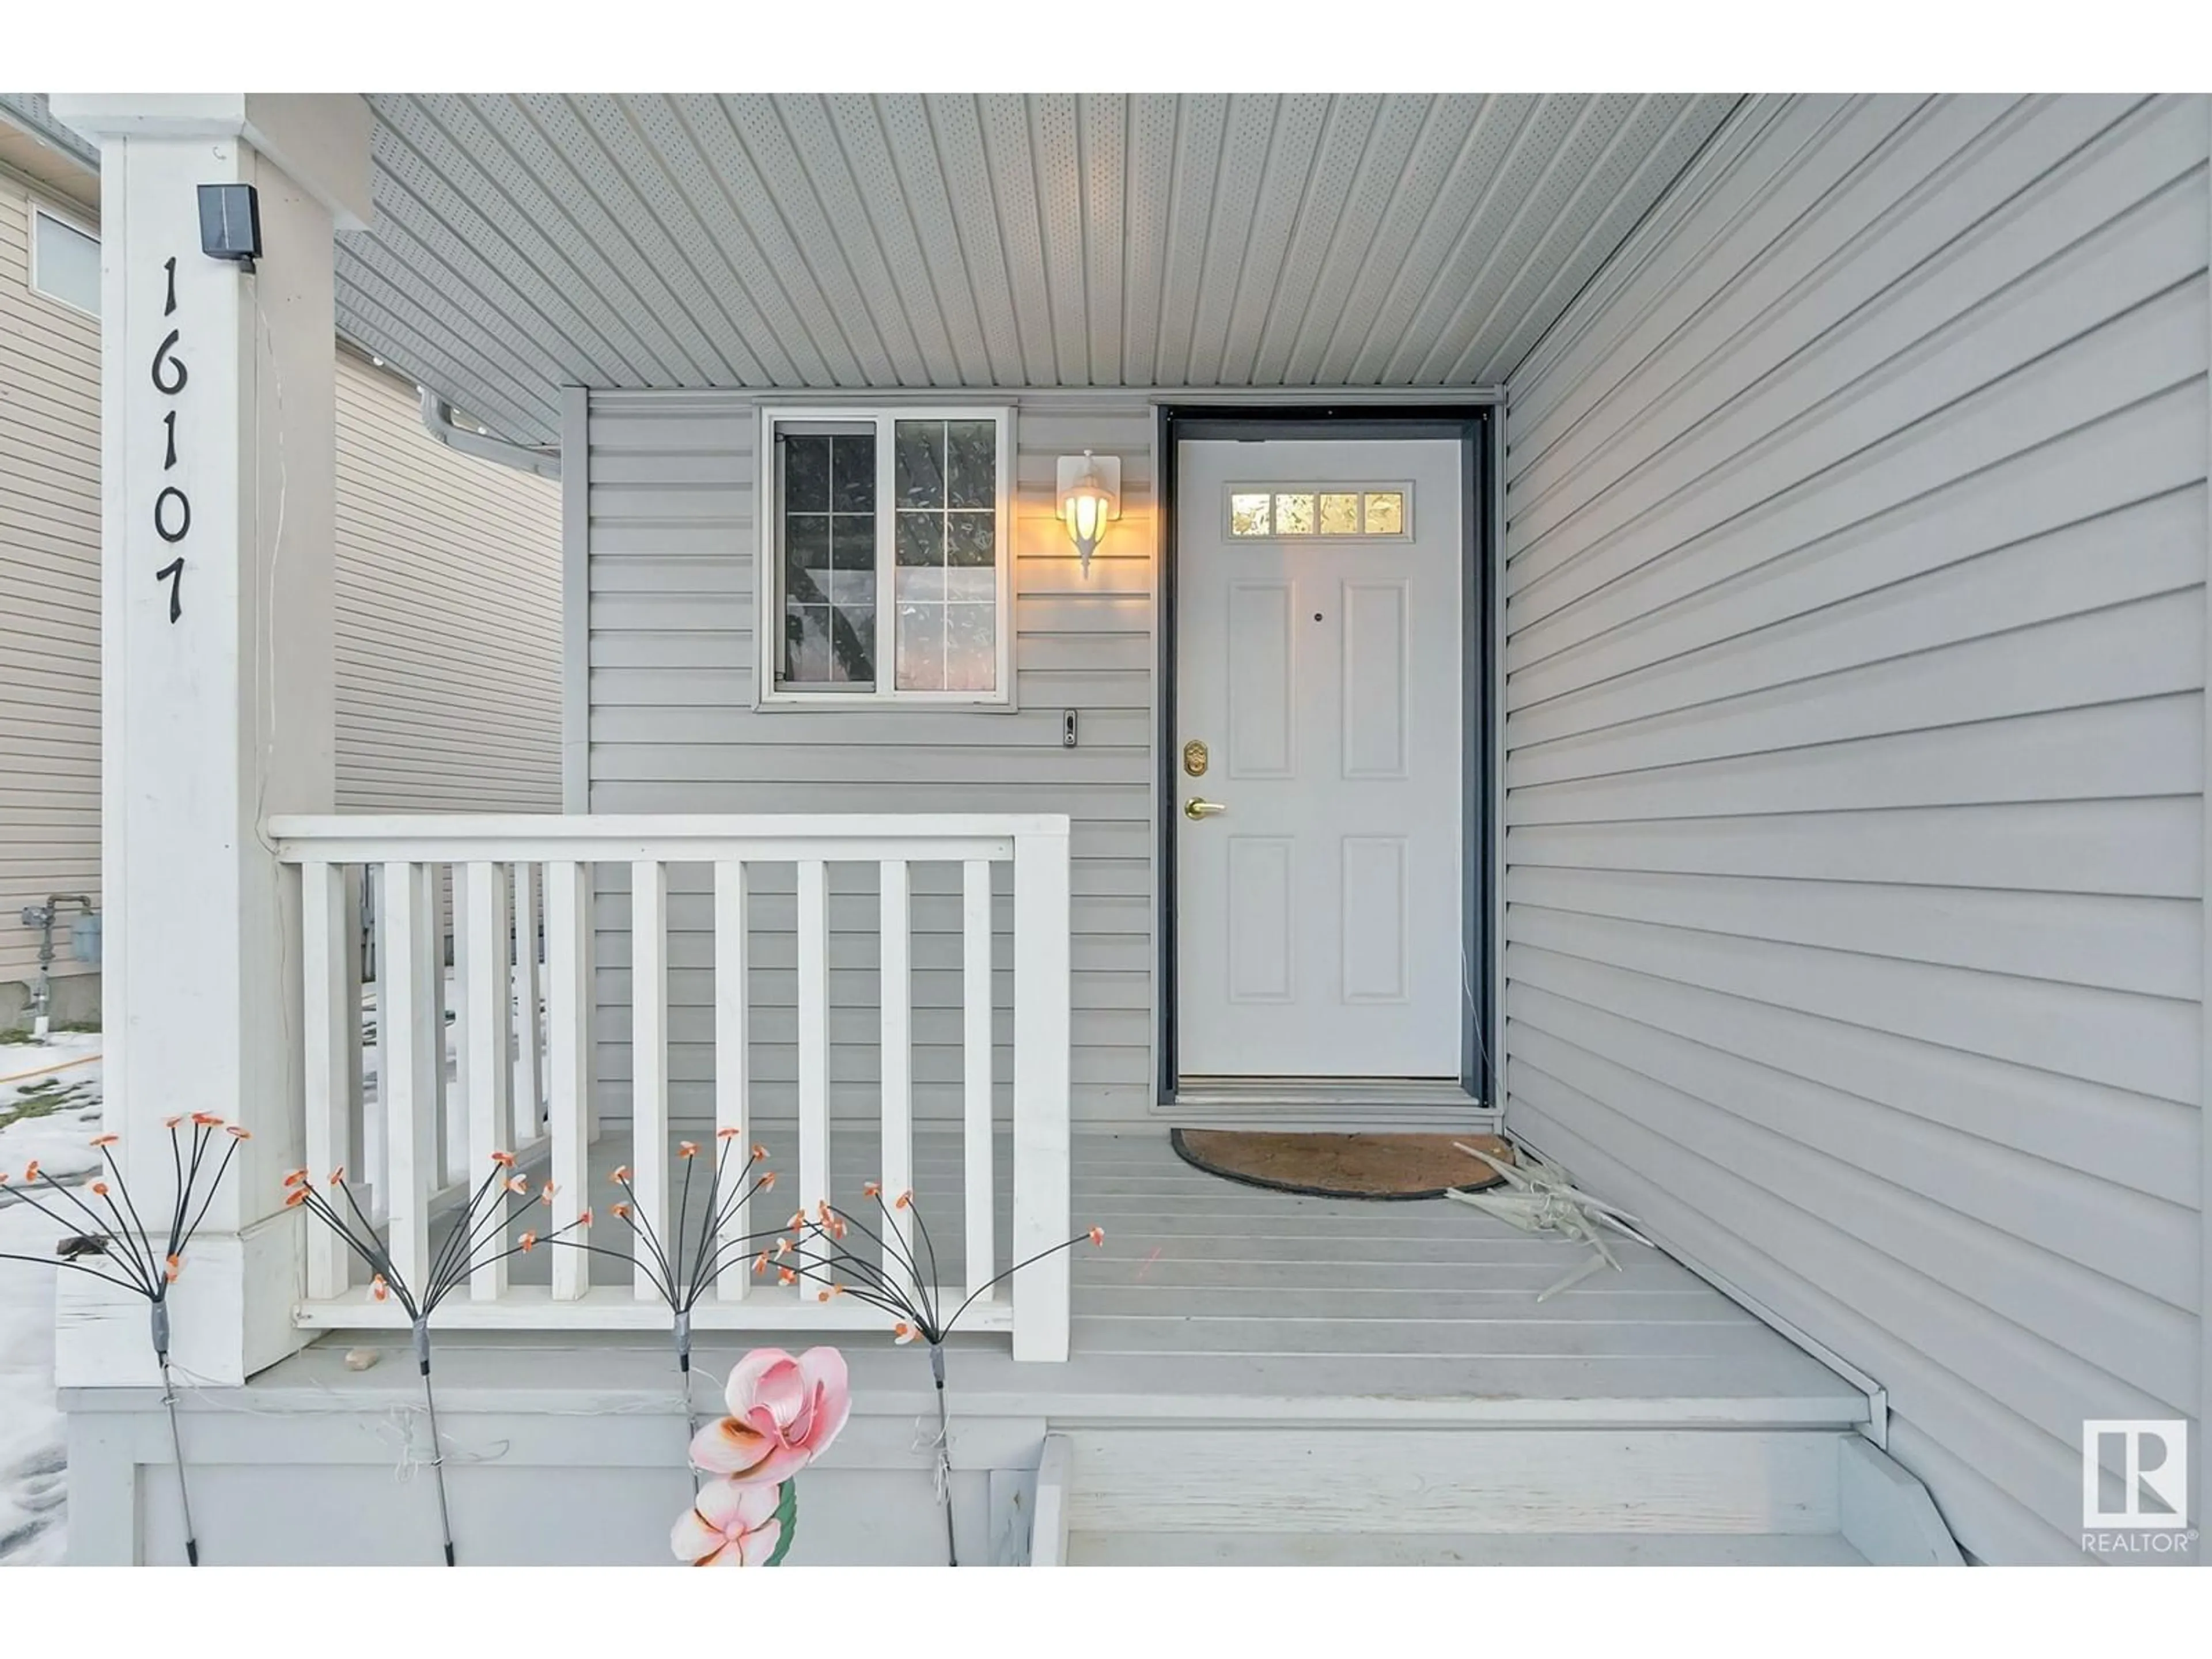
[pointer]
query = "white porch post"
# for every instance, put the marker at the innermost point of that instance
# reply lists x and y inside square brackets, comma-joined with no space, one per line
[217,523]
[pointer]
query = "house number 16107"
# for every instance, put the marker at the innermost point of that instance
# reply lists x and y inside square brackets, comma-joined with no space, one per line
[173,508]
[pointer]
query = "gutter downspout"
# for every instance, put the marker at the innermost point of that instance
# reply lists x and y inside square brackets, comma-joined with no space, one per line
[438,422]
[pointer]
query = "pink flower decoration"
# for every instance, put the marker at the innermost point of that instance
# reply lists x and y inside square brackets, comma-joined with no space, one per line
[784,1413]
[729,1525]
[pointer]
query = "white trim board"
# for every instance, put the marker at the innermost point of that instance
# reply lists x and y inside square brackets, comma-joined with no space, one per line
[575,600]
[719,398]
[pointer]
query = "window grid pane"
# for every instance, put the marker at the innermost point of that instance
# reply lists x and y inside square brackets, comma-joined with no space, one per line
[829,559]
[946,550]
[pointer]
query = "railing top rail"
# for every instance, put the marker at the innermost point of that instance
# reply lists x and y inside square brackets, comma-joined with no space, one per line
[459,837]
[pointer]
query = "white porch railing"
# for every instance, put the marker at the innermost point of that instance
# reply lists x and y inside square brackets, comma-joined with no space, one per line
[422,1139]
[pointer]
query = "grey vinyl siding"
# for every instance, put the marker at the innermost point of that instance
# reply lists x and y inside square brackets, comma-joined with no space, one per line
[49,596]
[448,601]
[674,728]
[1854,758]
[448,595]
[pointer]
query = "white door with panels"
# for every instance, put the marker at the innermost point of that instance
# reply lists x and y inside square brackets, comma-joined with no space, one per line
[1317,758]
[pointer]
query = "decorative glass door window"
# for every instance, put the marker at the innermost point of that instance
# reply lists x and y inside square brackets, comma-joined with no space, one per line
[1319,512]
[887,540]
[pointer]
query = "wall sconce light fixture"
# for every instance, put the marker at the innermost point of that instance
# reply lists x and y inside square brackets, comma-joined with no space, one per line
[1089,495]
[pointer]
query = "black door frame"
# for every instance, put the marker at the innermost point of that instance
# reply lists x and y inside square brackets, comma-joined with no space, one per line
[1472,425]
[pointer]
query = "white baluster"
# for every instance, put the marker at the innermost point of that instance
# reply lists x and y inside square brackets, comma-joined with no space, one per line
[355,1120]
[732,1106]
[411,1088]
[648,1005]
[980,1197]
[452,1056]
[375,1160]
[896,997]
[568,1060]
[813,1040]
[480,921]
[332,1039]
[529,1095]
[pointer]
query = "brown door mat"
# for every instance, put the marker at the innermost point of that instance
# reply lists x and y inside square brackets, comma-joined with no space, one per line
[1381,1166]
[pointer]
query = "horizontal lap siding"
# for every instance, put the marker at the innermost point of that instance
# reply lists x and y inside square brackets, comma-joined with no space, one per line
[448,617]
[447,626]
[49,598]
[674,729]
[1854,755]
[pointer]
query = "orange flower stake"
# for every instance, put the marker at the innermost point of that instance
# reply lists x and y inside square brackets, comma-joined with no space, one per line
[119,1250]
[891,1280]
[686,1264]
[478,1239]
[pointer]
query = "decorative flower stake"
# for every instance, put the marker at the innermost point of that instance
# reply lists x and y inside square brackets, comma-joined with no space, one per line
[896,1284]
[477,1239]
[684,1267]
[126,1246]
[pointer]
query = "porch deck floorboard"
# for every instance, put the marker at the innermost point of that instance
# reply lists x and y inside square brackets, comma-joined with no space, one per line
[1210,1297]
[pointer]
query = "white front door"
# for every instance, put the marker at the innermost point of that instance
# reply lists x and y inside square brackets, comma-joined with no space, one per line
[1318,707]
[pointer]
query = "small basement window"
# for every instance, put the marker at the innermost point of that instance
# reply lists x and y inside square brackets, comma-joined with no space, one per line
[64,261]
[886,555]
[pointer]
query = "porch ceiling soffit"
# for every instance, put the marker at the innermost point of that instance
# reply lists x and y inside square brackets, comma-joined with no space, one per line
[522,243]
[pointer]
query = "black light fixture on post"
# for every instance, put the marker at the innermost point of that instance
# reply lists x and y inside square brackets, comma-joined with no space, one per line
[230,223]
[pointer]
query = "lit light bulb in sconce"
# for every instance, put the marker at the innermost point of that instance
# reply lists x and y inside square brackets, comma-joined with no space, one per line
[1090,496]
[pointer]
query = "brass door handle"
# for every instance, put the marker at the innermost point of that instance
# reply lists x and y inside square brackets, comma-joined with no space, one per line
[1196,808]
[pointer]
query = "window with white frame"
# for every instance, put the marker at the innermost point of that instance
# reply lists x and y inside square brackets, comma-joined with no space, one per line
[886,555]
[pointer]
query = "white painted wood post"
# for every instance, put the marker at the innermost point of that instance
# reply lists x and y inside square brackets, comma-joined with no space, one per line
[813,888]
[1040,1091]
[529,1089]
[331,1035]
[568,1059]
[733,1081]
[895,997]
[481,921]
[979,1183]
[648,1064]
[216,683]
[411,1092]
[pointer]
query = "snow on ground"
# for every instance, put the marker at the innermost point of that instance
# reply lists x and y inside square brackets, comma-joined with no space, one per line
[50,1101]
[49,1109]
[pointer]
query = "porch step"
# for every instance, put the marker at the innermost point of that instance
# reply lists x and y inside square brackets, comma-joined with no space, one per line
[1331,1493]
[1477,1549]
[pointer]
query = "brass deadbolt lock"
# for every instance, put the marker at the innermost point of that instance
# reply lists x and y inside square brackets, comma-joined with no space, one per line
[1195,758]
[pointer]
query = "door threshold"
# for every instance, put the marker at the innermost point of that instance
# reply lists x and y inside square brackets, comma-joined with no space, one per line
[1422,1098]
